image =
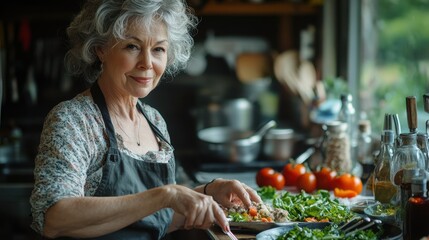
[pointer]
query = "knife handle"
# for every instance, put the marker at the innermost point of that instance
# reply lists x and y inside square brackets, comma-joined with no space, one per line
[411,113]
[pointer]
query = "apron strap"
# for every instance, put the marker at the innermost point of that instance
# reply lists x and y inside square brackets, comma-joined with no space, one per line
[154,128]
[98,97]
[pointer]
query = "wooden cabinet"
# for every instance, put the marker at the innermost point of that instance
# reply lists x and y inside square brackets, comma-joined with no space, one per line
[284,19]
[214,7]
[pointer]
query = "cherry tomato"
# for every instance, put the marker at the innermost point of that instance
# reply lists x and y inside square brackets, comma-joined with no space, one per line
[325,178]
[344,193]
[291,172]
[269,177]
[277,181]
[346,181]
[307,182]
[263,175]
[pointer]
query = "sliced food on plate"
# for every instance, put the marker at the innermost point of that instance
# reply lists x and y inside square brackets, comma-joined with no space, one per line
[284,206]
[258,212]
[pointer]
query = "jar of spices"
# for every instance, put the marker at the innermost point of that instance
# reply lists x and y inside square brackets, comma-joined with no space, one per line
[337,147]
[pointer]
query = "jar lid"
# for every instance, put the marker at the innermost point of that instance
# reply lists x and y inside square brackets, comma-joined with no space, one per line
[336,126]
[280,133]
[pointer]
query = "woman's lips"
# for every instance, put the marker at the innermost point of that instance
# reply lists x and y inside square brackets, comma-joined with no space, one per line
[142,79]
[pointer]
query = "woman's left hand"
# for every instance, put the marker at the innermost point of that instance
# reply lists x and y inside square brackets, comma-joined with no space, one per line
[232,192]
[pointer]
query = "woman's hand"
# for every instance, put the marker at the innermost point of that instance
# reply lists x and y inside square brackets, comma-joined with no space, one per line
[232,192]
[199,210]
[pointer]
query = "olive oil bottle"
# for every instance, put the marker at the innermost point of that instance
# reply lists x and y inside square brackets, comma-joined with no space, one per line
[384,190]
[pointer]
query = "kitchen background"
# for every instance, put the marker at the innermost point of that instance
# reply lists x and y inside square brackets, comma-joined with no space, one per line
[246,56]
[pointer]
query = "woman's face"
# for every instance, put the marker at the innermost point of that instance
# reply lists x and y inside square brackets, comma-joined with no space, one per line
[134,65]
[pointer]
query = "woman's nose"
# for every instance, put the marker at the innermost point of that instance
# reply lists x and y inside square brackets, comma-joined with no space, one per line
[145,61]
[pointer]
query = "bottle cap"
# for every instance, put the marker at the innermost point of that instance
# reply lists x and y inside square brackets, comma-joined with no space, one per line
[364,126]
[388,136]
[346,98]
[418,185]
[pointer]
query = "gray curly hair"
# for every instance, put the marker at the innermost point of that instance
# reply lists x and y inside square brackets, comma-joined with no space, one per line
[100,20]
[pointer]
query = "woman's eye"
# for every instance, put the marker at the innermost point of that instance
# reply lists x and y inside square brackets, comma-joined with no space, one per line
[159,49]
[132,47]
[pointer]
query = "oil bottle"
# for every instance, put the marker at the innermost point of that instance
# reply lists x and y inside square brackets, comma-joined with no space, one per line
[384,189]
[417,211]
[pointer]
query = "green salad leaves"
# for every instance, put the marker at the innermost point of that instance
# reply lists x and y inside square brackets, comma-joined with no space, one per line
[307,207]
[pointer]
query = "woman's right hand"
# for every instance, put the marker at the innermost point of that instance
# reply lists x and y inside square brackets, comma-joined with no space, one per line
[199,210]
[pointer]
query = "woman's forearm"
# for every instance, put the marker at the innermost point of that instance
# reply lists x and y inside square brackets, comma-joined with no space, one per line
[96,216]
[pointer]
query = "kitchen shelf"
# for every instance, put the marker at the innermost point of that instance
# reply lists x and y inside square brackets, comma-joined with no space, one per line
[269,8]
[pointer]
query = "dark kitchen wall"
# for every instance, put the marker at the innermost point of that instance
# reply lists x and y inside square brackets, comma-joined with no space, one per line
[34,80]
[32,50]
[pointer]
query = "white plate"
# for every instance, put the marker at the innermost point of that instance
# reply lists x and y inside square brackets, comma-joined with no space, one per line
[390,232]
[262,226]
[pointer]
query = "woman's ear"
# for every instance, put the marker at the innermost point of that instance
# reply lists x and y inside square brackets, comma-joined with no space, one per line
[100,53]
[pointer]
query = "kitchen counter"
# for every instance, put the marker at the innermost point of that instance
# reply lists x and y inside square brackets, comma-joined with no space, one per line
[215,233]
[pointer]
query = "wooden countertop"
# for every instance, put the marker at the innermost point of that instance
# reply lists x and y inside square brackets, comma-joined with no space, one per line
[215,233]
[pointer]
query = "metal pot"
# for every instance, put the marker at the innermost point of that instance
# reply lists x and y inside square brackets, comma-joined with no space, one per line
[234,113]
[279,144]
[231,145]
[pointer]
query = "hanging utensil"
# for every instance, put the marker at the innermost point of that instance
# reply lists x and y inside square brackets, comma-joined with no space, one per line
[251,66]
[296,75]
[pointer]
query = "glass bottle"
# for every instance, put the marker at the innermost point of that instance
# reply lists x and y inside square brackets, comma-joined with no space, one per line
[364,149]
[337,147]
[347,114]
[416,225]
[422,144]
[384,189]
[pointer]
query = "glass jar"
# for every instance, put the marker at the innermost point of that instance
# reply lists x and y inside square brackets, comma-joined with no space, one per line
[407,156]
[337,147]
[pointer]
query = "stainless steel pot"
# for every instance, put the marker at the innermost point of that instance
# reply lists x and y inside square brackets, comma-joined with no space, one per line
[279,144]
[234,113]
[231,145]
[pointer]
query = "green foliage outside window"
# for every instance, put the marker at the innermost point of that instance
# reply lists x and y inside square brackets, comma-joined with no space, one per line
[400,65]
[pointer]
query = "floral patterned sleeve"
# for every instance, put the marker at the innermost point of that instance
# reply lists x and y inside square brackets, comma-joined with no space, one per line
[71,150]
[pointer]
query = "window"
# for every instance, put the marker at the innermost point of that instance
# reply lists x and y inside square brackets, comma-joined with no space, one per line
[394,59]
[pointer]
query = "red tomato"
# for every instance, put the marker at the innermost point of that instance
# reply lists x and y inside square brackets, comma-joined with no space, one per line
[291,172]
[263,175]
[307,182]
[325,178]
[277,181]
[269,177]
[346,181]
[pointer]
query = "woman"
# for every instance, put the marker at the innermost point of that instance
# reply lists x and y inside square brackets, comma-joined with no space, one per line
[105,166]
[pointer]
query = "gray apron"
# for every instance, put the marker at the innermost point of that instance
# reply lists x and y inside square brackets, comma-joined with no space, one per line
[124,175]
